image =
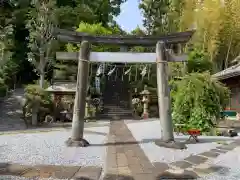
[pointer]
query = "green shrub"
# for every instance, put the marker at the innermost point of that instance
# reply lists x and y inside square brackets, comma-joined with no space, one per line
[3,88]
[198,100]
[37,96]
[36,83]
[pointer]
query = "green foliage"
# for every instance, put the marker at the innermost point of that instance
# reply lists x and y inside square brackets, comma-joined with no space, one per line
[7,76]
[198,100]
[41,24]
[3,88]
[176,69]
[217,28]
[35,94]
[71,13]
[198,61]
[96,29]
[38,97]
[161,16]
[7,67]
[22,26]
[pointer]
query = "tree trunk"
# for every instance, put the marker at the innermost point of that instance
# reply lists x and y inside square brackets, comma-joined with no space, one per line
[41,67]
[35,115]
[41,81]
[228,52]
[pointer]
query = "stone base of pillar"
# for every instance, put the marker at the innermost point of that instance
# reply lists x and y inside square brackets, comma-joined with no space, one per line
[80,143]
[170,144]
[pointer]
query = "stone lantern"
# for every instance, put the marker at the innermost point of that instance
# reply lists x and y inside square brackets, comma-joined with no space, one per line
[145,99]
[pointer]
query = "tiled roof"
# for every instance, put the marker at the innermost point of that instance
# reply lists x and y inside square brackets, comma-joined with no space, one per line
[69,87]
[232,71]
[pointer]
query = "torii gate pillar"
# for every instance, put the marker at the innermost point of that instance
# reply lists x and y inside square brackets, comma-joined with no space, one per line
[164,100]
[76,138]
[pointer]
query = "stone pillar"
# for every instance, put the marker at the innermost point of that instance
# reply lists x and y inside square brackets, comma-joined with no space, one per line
[164,101]
[80,98]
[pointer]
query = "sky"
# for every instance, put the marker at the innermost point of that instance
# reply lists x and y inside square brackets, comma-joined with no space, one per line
[130,16]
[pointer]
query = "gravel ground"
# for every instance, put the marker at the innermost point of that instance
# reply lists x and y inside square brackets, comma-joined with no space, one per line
[23,178]
[151,130]
[49,148]
[49,129]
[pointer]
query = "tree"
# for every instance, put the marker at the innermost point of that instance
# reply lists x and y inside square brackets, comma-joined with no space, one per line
[217,28]
[41,24]
[161,16]
[62,68]
[106,10]
[198,61]
[5,57]
[70,16]
[96,29]
[154,13]
[8,68]
[6,31]
[97,11]
[138,32]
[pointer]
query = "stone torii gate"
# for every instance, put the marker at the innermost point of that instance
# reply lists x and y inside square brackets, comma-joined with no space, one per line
[85,56]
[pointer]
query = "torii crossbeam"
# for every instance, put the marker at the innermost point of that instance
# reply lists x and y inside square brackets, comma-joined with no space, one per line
[77,37]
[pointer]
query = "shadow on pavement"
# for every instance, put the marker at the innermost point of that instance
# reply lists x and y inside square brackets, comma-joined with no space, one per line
[110,177]
[204,140]
[178,139]
[165,175]
[117,177]
[168,175]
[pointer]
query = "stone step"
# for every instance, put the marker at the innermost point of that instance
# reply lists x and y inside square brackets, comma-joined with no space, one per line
[119,114]
[116,109]
[116,105]
[114,117]
[116,100]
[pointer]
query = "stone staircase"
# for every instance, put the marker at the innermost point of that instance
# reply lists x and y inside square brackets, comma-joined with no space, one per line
[116,100]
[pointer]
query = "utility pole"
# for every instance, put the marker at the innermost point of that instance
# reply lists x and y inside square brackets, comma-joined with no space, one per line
[76,138]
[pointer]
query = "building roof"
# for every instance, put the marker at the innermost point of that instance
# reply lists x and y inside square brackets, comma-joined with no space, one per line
[232,71]
[63,87]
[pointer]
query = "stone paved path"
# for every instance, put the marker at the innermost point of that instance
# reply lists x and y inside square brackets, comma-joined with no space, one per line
[11,111]
[47,171]
[124,156]
[126,159]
